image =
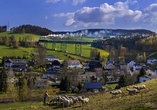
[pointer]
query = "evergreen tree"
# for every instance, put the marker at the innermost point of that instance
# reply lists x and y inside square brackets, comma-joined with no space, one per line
[97,57]
[3,81]
[80,86]
[67,84]
[22,88]
[122,81]
[62,85]
[3,60]
[141,73]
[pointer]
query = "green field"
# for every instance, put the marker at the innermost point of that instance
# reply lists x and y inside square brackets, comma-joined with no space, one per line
[20,35]
[22,51]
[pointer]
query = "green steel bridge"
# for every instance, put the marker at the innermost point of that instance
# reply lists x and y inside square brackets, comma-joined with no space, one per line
[63,44]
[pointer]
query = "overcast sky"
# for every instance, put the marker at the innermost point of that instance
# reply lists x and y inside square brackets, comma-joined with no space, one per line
[58,15]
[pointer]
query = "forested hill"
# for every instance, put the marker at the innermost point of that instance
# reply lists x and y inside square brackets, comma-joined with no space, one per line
[31,29]
[110,31]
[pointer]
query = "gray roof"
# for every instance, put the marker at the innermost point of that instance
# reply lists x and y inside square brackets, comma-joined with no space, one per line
[151,76]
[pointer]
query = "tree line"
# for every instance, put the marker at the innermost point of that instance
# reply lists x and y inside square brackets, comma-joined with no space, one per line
[3,28]
[11,41]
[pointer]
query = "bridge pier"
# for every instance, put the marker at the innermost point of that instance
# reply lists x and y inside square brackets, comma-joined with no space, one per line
[54,46]
[78,49]
[45,44]
[63,47]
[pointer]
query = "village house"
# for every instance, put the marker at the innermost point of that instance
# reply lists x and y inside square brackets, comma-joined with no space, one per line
[109,68]
[95,66]
[49,74]
[86,76]
[17,65]
[137,67]
[56,65]
[147,77]
[80,77]
[50,58]
[151,61]
[74,64]
[131,64]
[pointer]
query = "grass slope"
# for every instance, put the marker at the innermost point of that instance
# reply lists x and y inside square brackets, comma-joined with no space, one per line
[85,49]
[17,36]
[21,51]
[145,100]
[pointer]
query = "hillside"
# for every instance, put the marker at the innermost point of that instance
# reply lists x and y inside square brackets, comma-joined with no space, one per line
[31,29]
[109,31]
[20,35]
[145,100]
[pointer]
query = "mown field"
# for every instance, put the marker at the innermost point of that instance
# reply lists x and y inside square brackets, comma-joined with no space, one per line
[145,100]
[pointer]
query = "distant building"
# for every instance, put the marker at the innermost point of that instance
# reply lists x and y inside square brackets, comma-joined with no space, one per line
[147,77]
[56,65]
[95,65]
[49,74]
[41,83]
[51,58]
[74,64]
[151,61]
[17,65]
[131,64]
[137,67]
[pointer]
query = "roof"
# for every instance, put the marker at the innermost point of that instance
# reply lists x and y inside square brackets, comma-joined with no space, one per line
[151,76]
[74,62]
[93,85]
[56,62]
[95,63]
[87,74]
[109,66]
[15,61]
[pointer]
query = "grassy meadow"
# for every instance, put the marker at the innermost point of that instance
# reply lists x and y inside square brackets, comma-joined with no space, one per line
[145,100]
[85,49]
[20,35]
[23,51]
